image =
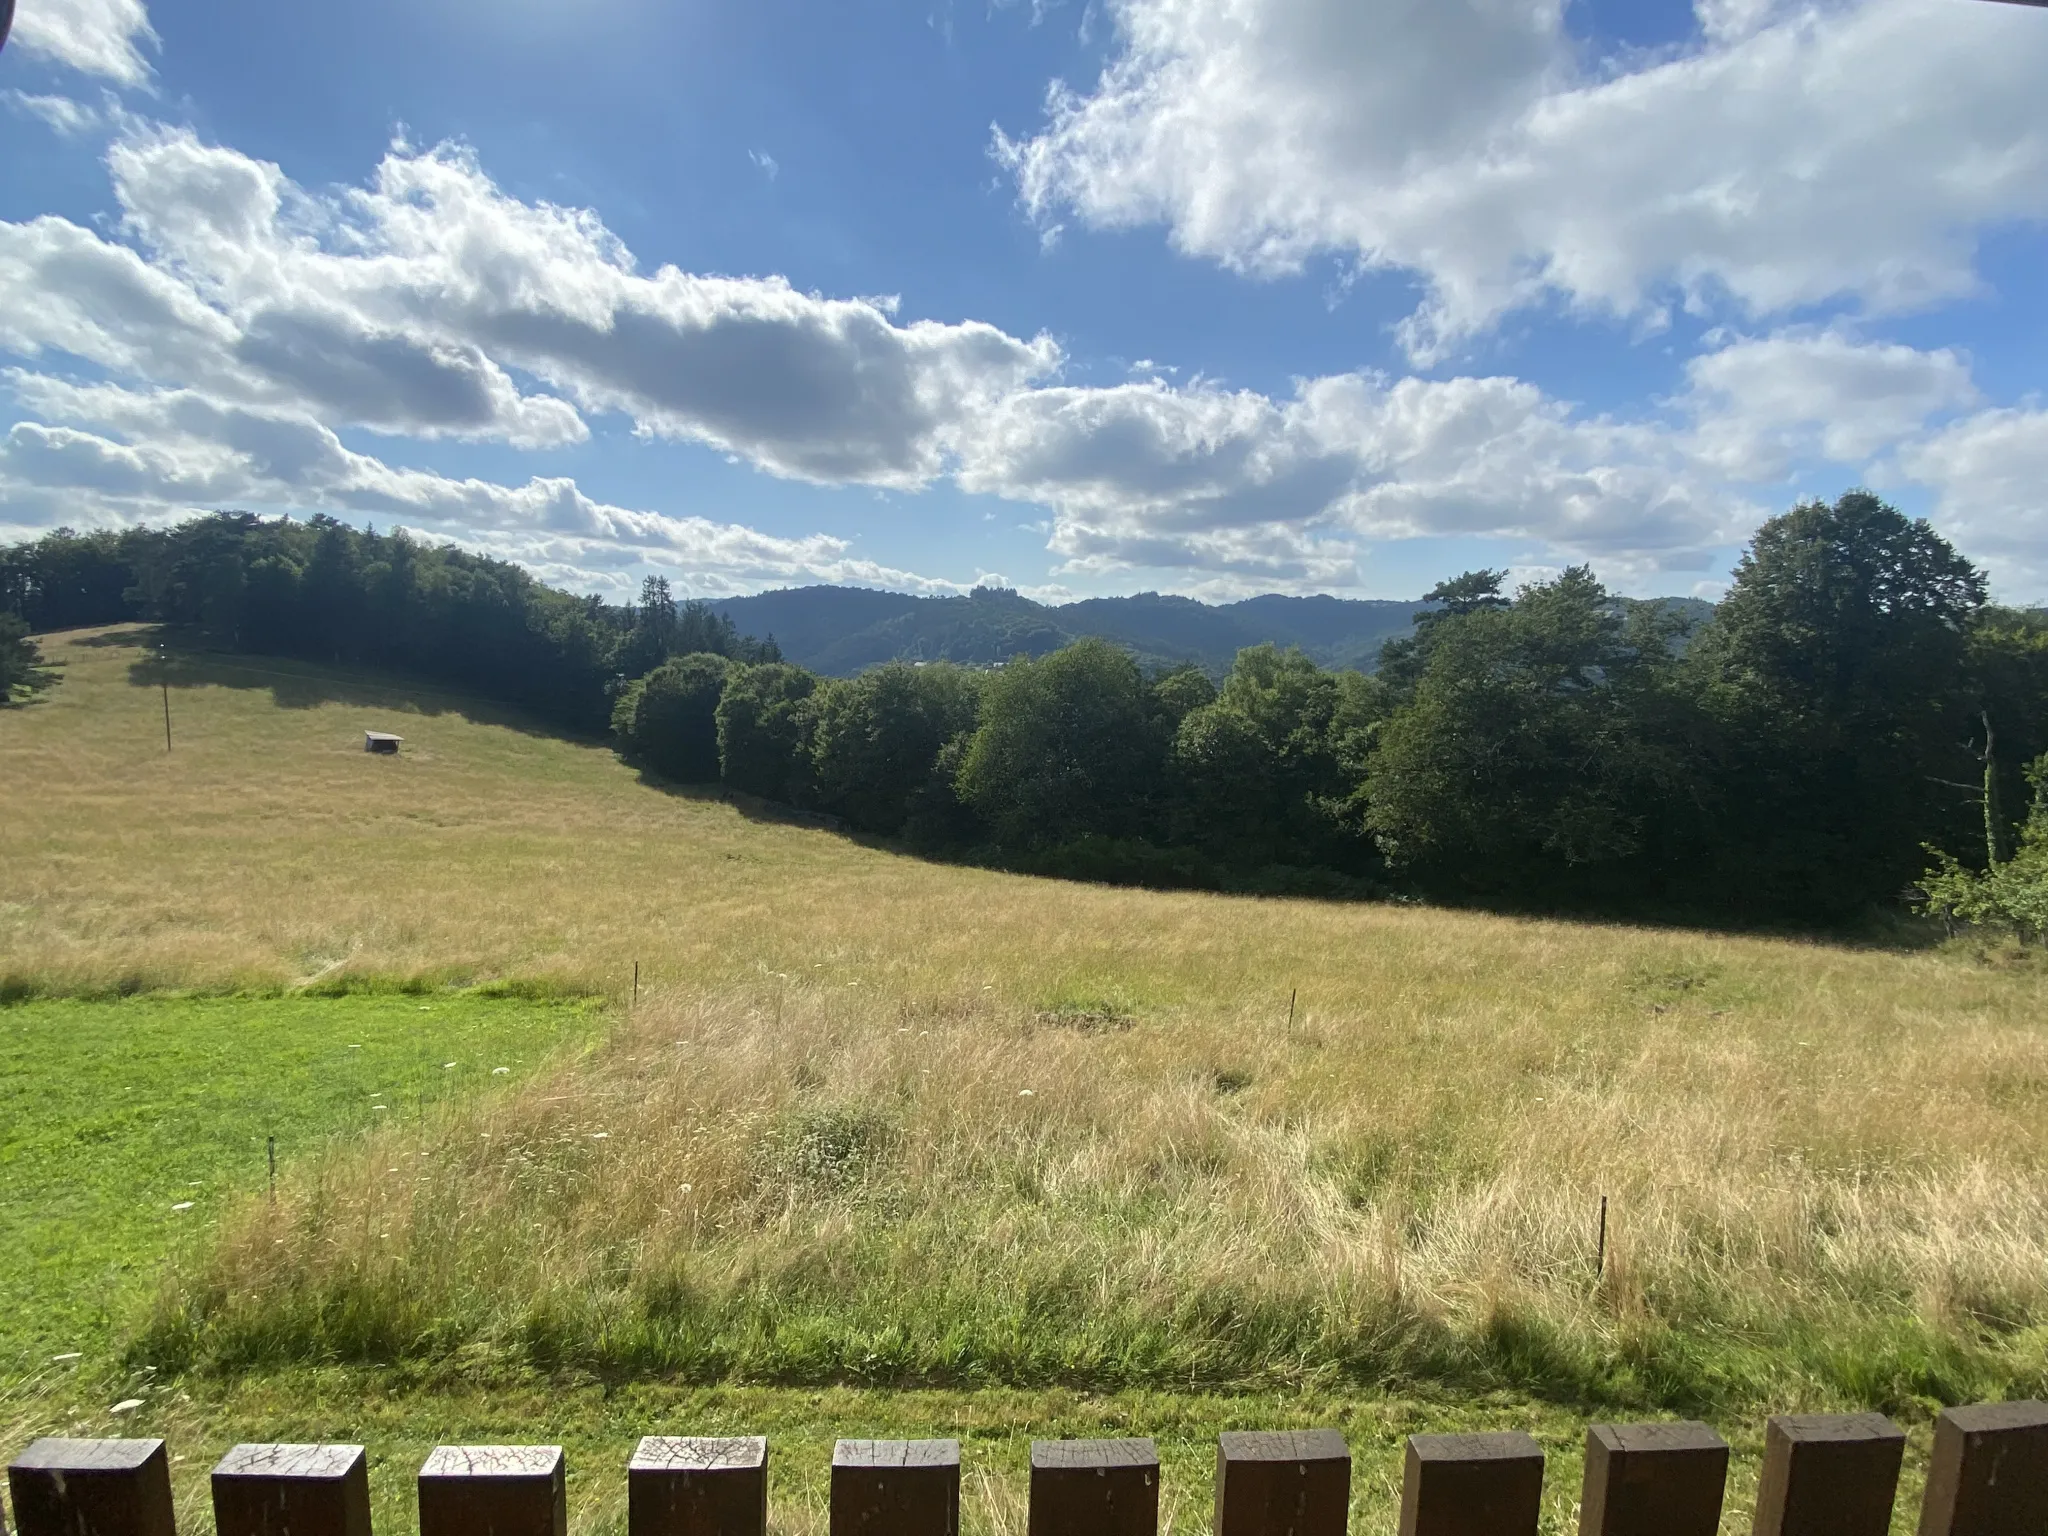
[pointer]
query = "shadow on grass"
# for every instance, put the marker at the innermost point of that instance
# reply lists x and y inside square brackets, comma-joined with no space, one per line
[130,636]
[767,813]
[165,656]
[1130,864]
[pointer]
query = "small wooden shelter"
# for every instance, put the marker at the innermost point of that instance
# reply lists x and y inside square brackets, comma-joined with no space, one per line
[381,741]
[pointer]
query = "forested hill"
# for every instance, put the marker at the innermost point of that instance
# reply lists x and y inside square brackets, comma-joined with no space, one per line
[839,631]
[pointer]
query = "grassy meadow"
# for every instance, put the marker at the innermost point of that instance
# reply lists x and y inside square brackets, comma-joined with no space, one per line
[893,1146]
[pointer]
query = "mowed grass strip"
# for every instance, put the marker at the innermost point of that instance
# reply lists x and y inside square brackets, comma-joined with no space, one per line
[126,1128]
[598,1425]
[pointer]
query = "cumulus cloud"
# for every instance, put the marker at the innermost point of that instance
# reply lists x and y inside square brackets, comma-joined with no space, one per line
[211,345]
[124,455]
[433,277]
[1237,483]
[1788,156]
[1988,472]
[95,37]
[1769,403]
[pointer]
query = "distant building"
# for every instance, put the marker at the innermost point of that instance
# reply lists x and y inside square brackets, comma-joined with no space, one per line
[381,741]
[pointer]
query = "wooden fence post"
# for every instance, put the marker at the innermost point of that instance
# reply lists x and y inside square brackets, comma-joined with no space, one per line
[1653,1480]
[493,1490]
[92,1488]
[1829,1474]
[292,1490]
[697,1486]
[895,1488]
[1094,1488]
[1295,1483]
[1471,1485]
[1989,1472]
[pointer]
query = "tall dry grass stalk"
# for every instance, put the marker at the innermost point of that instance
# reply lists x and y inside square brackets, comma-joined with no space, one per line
[809,1183]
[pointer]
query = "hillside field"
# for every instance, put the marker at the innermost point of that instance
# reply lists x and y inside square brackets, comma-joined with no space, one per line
[890,1146]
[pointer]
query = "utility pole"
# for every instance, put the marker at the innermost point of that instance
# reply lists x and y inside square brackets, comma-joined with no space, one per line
[163,676]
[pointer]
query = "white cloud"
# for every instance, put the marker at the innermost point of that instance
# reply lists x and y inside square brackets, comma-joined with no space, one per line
[95,37]
[68,118]
[1785,158]
[1989,473]
[1770,403]
[165,453]
[406,306]
[212,349]
[444,278]
[1287,491]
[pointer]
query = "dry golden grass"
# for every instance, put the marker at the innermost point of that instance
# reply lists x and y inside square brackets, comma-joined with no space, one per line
[812,1184]
[1825,1164]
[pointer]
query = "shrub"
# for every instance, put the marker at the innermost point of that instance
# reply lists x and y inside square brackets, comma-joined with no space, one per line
[674,720]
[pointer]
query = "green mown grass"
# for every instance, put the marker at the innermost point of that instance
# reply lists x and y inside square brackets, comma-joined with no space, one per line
[115,1114]
[399,1418]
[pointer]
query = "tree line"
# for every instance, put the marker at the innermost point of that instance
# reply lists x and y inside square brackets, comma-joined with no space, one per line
[325,592]
[1853,704]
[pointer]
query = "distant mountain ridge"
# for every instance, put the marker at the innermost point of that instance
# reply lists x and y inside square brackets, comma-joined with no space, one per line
[839,631]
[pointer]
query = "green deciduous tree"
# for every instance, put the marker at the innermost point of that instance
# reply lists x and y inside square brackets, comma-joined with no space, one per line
[1523,765]
[2007,659]
[1066,748]
[1268,772]
[1836,671]
[673,725]
[878,738]
[19,657]
[765,721]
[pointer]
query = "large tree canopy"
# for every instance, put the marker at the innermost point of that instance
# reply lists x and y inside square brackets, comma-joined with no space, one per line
[1066,748]
[1534,755]
[1837,672]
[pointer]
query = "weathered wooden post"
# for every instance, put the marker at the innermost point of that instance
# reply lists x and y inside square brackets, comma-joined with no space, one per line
[698,1486]
[292,1490]
[1829,1474]
[92,1488]
[494,1490]
[1094,1488]
[1653,1480]
[1290,1483]
[1472,1485]
[895,1488]
[1989,1472]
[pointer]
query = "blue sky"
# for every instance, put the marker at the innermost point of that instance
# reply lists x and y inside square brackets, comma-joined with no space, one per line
[1209,296]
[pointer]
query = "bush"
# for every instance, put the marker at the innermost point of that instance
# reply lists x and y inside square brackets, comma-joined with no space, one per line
[764,729]
[674,718]
[19,657]
[879,737]
[1066,748]
[2012,894]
